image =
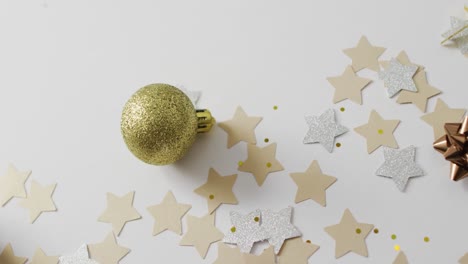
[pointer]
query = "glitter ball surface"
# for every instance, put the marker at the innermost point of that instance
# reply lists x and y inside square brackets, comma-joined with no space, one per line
[81,256]
[278,227]
[398,77]
[323,129]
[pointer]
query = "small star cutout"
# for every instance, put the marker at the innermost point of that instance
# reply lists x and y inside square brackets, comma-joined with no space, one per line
[296,251]
[401,258]
[8,256]
[461,39]
[240,128]
[201,233]
[81,256]
[228,255]
[403,59]
[425,91]
[261,161]
[323,129]
[119,211]
[348,86]
[398,77]
[349,235]
[218,190]
[39,200]
[246,230]
[312,184]
[267,257]
[464,259]
[278,227]
[12,184]
[41,258]
[108,251]
[441,115]
[168,215]
[365,55]
[378,132]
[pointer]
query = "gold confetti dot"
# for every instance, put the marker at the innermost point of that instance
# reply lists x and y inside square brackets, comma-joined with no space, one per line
[380,131]
[338,144]
[268,164]
[256,219]
[397,247]
[308,241]
[376,231]
[342,109]
[240,163]
[266,140]
[426,239]
[275,107]
[211,197]
[393,236]
[233,229]
[358,231]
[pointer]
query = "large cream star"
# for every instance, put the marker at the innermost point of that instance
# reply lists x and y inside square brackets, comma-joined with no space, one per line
[378,132]
[441,115]
[267,257]
[425,91]
[240,128]
[12,184]
[296,251]
[41,258]
[108,251]
[201,233]
[8,256]
[228,255]
[119,211]
[348,86]
[364,55]
[39,200]
[168,215]
[261,161]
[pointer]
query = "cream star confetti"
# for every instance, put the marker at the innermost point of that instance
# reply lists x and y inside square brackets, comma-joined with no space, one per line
[108,251]
[201,233]
[119,211]
[12,184]
[267,257]
[168,215]
[296,251]
[218,190]
[441,115]
[349,235]
[401,258]
[81,256]
[41,258]
[460,39]
[261,161]
[425,91]
[312,184]
[8,256]
[240,128]
[228,255]
[246,230]
[403,59]
[365,55]
[398,77]
[348,86]
[39,200]
[378,132]
[278,227]
[323,129]
[464,259]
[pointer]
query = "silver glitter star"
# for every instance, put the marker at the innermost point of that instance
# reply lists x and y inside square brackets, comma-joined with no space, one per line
[461,39]
[323,129]
[81,256]
[398,77]
[400,166]
[246,230]
[279,227]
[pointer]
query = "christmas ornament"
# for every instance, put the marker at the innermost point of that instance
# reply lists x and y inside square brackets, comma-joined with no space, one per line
[441,115]
[323,129]
[168,215]
[278,227]
[246,230]
[81,256]
[365,55]
[398,77]
[159,124]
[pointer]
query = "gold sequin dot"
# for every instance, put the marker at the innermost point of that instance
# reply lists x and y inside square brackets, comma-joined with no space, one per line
[266,140]
[358,231]
[308,241]
[240,163]
[268,164]
[256,219]
[426,239]
[376,231]
[397,247]
[380,131]
[233,229]
[342,109]
[338,144]
[211,197]
[275,107]
[393,236]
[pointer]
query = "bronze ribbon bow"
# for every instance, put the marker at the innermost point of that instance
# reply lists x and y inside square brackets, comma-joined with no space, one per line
[454,147]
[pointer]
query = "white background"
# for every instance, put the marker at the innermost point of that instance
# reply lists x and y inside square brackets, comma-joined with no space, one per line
[67,69]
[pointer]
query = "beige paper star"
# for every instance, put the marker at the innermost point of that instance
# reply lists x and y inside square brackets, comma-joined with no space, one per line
[364,55]
[108,251]
[425,91]
[119,211]
[8,256]
[348,86]
[349,235]
[378,132]
[240,128]
[201,233]
[401,258]
[464,259]
[296,251]
[218,190]
[12,184]
[403,59]
[441,115]
[39,200]
[267,257]
[168,215]
[41,258]
[228,255]
[261,161]
[312,184]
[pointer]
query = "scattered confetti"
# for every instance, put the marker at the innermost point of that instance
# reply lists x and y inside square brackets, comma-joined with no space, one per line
[39,200]
[464,259]
[228,255]
[365,55]
[425,91]
[460,39]
[119,211]
[267,257]
[81,256]
[296,251]
[12,184]
[441,115]
[401,258]
[168,215]
[398,77]
[403,59]
[393,236]
[257,161]
[41,258]
[397,247]
[426,239]
[348,86]
[246,230]
[8,256]
[108,251]
[323,129]
[278,227]
[240,128]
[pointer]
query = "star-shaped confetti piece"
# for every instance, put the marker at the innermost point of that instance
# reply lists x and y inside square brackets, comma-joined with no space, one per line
[312,184]
[441,115]
[464,259]
[240,128]
[398,77]
[39,200]
[267,257]
[119,211]
[365,55]
[460,39]
[41,258]
[403,59]
[349,235]
[348,86]
[296,251]
[278,227]
[168,215]
[12,184]
[218,190]
[261,161]
[400,165]
[401,258]
[425,91]
[201,233]
[228,255]
[323,129]
[378,132]
[108,251]
[8,256]
[81,256]
[246,230]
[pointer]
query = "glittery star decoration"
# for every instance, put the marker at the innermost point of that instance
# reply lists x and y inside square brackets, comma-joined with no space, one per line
[41,258]
[81,256]
[398,77]
[168,215]
[240,128]
[12,184]
[194,96]
[260,162]
[464,259]
[378,132]
[218,190]
[245,230]
[201,233]
[228,255]
[401,258]
[365,55]
[296,251]
[349,235]
[312,184]
[267,257]
[460,39]
[108,251]
[8,256]
[441,115]
[119,211]
[39,200]
[425,91]
[403,59]
[278,227]
[348,86]
[323,129]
